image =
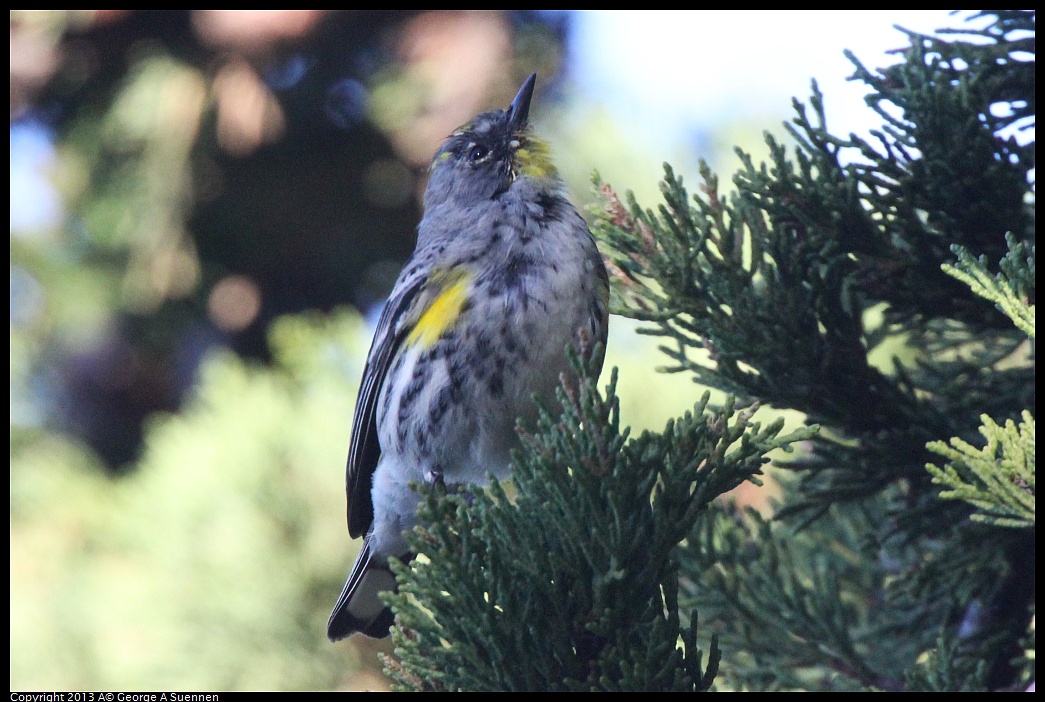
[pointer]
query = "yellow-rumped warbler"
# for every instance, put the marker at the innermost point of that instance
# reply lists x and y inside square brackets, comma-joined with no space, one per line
[504,276]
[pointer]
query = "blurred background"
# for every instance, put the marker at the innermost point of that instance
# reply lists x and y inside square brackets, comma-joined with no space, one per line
[207,210]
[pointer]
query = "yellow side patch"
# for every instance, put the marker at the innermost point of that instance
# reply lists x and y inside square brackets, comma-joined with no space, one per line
[442,311]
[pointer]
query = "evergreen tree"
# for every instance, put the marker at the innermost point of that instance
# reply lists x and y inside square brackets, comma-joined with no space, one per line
[873,572]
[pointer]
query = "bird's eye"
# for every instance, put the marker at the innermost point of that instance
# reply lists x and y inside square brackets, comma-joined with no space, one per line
[477,152]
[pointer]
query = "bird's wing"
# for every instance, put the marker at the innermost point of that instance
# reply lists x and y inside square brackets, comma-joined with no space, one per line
[364,450]
[422,306]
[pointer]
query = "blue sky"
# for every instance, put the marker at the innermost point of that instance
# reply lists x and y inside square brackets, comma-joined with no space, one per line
[682,69]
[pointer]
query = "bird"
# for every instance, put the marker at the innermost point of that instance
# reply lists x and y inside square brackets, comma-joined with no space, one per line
[504,279]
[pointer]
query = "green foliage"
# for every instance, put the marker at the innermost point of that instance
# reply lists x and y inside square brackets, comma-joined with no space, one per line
[572,583]
[826,284]
[1010,290]
[997,479]
[945,669]
[212,566]
[792,606]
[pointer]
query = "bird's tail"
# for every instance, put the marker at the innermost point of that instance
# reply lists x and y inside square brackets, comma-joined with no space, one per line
[359,608]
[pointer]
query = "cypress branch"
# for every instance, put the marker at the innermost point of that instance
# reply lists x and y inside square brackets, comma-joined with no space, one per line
[571,583]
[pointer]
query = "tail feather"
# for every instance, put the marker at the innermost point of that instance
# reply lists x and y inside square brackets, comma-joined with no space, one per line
[359,608]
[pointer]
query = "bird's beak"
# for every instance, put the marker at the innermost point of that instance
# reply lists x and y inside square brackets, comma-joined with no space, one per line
[519,110]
